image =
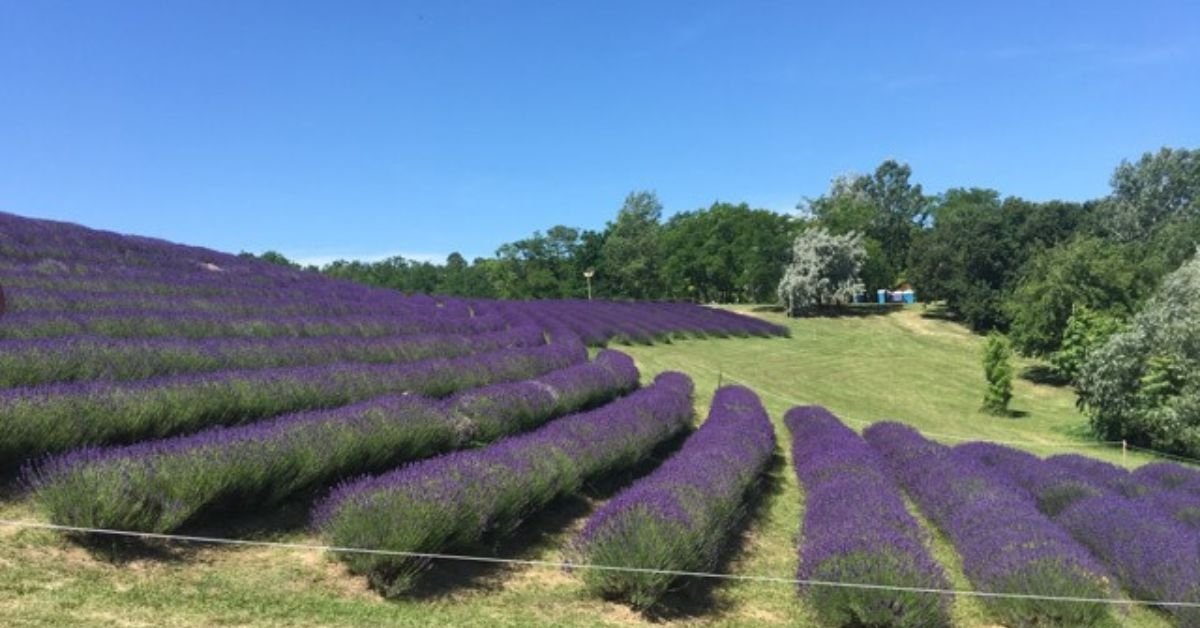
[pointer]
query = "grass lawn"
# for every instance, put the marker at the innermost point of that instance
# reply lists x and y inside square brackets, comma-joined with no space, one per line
[898,366]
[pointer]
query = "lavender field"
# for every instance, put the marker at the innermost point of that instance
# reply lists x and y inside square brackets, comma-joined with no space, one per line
[153,387]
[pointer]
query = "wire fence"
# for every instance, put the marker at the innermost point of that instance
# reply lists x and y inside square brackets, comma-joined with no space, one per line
[569,566]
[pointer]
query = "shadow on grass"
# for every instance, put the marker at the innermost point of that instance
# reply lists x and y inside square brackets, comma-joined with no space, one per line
[12,487]
[529,541]
[939,312]
[531,538]
[698,597]
[861,310]
[1006,414]
[122,550]
[267,525]
[1045,375]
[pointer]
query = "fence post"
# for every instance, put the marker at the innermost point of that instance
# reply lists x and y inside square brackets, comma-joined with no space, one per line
[1124,451]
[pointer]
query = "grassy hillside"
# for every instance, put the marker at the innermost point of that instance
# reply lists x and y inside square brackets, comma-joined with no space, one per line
[898,366]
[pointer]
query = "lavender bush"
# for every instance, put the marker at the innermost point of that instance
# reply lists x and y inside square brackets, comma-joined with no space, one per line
[1054,489]
[502,409]
[82,358]
[1153,556]
[50,419]
[857,529]
[680,516]
[198,325]
[158,486]
[454,500]
[1178,490]
[1007,545]
[1169,475]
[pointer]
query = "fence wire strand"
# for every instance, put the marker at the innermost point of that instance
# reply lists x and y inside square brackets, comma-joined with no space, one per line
[568,566]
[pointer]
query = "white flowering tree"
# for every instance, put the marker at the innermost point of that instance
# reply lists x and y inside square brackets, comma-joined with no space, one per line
[824,270]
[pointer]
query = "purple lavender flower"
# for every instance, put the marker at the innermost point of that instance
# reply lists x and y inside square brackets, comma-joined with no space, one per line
[454,500]
[1153,556]
[680,516]
[81,358]
[50,419]
[1007,545]
[856,529]
[1106,510]
[160,485]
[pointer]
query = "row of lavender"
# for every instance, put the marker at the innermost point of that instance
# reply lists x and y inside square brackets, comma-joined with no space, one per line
[856,530]
[160,485]
[60,299]
[599,322]
[596,322]
[86,358]
[678,518]
[1144,533]
[1027,529]
[456,500]
[55,418]
[202,325]
[682,516]
[63,280]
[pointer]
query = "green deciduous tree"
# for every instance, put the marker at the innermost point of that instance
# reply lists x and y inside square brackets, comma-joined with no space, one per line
[631,254]
[967,257]
[885,207]
[1086,330]
[1158,189]
[1088,271]
[1144,383]
[726,253]
[973,254]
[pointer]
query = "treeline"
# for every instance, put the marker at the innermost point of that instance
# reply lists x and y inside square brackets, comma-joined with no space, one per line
[1079,284]
[997,263]
[725,253]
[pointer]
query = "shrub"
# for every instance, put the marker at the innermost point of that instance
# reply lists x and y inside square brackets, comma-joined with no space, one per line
[158,486]
[454,500]
[1006,544]
[857,530]
[679,517]
[998,371]
[51,419]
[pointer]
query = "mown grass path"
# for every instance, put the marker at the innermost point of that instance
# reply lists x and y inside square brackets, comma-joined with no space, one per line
[899,366]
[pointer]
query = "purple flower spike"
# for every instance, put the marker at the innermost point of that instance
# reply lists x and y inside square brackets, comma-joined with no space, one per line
[856,529]
[1007,545]
[454,500]
[680,517]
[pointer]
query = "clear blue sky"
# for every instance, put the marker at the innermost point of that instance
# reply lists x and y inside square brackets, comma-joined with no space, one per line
[360,129]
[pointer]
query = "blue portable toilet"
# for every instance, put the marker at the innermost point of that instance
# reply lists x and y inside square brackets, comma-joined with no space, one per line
[909,296]
[881,294]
